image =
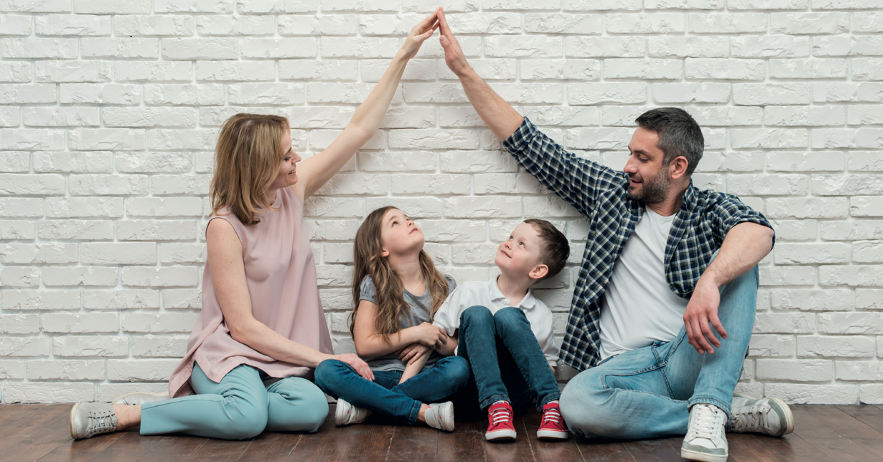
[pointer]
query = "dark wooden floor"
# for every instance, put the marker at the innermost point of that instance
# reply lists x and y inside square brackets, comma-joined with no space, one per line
[42,432]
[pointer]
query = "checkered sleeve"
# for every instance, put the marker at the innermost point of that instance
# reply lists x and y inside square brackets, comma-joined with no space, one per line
[576,180]
[727,211]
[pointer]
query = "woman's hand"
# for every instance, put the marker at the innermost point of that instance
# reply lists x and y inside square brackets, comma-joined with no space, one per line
[411,353]
[419,34]
[430,335]
[356,362]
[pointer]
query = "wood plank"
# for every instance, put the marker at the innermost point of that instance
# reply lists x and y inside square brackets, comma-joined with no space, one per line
[466,443]
[792,447]
[130,447]
[27,421]
[413,443]
[547,451]
[743,447]
[869,415]
[270,446]
[44,434]
[324,445]
[593,449]
[218,451]
[827,429]
[654,449]
[520,449]
[367,442]
[81,450]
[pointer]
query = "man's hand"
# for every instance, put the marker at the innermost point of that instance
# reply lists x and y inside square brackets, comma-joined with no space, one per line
[701,311]
[453,53]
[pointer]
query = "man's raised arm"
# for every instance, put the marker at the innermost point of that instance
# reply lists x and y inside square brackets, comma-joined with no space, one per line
[499,116]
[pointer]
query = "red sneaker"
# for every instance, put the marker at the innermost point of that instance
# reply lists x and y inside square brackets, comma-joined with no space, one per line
[499,415]
[552,426]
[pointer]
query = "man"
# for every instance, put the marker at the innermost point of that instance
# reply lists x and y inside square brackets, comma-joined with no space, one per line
[664,305]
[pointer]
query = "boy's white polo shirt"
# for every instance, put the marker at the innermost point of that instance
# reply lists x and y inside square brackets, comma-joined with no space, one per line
[488,294]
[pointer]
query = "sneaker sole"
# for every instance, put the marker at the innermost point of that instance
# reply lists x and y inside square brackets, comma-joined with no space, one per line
[119,398]
[500,435]
[552,435]
[73,424]
[702,457]
[783,410]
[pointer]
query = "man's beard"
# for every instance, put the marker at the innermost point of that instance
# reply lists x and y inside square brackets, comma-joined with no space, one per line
[655,190]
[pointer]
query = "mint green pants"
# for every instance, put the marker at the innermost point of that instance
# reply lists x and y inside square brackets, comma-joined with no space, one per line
[239,407]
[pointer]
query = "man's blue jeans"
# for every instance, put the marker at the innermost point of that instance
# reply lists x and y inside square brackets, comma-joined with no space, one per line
[647,393]
[505,357]
[385,395]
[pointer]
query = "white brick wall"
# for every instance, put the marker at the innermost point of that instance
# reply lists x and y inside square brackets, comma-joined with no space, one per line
[109,112]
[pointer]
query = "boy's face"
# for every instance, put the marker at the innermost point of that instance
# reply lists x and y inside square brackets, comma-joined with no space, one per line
[520,254]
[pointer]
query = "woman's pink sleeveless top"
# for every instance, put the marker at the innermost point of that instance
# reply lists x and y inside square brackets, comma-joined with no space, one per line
[281,275]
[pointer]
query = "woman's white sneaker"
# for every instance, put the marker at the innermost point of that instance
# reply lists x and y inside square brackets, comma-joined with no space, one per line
[705,439]
[347,414]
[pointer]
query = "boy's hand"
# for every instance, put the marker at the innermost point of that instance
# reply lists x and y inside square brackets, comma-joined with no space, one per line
[411,353]
[430,336]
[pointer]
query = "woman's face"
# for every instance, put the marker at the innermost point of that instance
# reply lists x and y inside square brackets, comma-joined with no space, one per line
[287,174]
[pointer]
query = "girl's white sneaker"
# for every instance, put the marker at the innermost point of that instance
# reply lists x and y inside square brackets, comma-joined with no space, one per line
[347,414]
[441,416]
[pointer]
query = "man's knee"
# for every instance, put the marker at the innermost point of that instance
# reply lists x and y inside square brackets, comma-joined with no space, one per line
[584,406]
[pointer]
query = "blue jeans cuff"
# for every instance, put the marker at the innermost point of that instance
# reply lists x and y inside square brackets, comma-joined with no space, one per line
[546,400]
[415,412]
[710,400]
[493,399]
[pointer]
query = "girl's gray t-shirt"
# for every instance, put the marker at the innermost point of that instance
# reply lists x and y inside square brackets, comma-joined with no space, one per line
[420,308]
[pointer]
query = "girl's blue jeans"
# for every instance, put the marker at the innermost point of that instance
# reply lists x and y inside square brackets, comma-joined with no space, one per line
[385,395]
[647,392]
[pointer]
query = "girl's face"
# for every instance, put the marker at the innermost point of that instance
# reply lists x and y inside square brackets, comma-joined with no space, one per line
[399,234]
[287,174]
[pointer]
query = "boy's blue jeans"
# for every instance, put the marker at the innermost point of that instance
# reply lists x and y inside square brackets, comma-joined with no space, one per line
[647,392]
[505,357]
[385,395]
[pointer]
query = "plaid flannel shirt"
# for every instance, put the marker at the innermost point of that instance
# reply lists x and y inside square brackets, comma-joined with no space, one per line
[601,195]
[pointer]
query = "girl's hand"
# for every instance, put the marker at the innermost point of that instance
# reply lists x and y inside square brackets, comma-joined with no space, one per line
[357,363]
[429,335]
[411,353]
[419,34]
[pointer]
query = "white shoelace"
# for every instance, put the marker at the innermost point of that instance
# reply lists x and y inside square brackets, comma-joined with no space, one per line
[707,422]
[501,415]
[551,415]
[754,417]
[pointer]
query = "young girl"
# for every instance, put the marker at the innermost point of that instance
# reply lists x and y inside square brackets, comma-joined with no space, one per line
[396,291]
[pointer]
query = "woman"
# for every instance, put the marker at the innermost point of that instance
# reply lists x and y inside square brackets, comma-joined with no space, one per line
[261,331]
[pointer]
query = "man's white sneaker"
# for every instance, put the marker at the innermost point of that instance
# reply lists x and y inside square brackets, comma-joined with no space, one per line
[705,439]
[770,416]
[346,413]
[440,416]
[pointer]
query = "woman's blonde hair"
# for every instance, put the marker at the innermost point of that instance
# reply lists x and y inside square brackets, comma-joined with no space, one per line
[389,290]
[247,158]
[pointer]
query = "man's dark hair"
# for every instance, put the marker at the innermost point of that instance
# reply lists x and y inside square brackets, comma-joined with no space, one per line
[679,134]
[554,250]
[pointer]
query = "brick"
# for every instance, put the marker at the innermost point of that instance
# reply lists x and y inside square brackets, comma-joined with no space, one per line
[808,68]
[12,369]
[24,346]
[31,184]
[79,323]
[119,47]
[15,162]
[182,298]
[865,275]
[144,369]
[784,323]
[49,392]
[787,276]
[171,276]
[850,323]
[65,370]
[727,23]
[829,253]
[19,323]
[836,347]
[852,230]
[84,207]
[80,93]
[772,346]
[794,393]
[34,254]
[159,323]
[691,92]
[812,299]
[768,185]
[21,276]
[90,346]
[602,47]
[80,24]
[768,138]
[121,299]
[847,46]
[866,207]
[163,71]
[199,48]
[15,72]
[155,25]
[312,25]
[647,69]
[107,185]
[193,6]
[115,253]
[73,162]
[798,370]
[80,276]
[155,346]
[58,48]
[771,94]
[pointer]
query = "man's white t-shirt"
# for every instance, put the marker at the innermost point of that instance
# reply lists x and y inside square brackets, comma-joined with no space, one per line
[639,307]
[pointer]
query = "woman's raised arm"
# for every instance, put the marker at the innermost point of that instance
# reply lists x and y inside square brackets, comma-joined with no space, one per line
[317,170]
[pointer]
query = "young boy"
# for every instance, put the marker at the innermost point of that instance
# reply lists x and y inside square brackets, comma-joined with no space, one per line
[506,333]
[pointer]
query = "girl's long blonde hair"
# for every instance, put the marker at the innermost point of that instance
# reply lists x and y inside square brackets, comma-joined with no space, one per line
[388,287]
[247,158]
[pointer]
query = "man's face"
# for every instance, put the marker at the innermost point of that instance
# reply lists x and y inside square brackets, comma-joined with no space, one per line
[648,177]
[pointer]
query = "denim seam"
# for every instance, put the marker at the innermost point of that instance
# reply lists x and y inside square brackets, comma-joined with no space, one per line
[550,398]
[415,412]
[710,400]
[638,372]
[493,399]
